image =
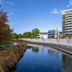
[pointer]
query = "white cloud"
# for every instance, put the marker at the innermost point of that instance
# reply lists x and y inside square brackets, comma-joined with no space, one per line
[57,11]
[69,3]
[54,11]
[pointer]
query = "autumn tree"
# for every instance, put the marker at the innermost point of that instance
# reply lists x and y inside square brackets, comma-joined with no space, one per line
[5,32]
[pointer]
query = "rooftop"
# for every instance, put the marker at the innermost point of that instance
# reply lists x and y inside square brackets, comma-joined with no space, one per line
[63,11]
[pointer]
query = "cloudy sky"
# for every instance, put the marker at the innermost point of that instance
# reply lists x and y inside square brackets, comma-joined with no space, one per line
[24,15]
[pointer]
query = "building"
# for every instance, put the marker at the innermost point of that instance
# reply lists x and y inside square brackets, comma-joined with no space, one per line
[52,34]
[67,23]
[43,35]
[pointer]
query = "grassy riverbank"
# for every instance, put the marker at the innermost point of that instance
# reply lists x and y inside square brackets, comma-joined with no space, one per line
[10,55]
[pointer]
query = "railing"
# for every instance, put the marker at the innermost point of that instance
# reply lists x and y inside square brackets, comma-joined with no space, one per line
[67,42]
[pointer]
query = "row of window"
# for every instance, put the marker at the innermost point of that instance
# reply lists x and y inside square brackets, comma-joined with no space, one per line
[68,16]
[68,31]
[68,13]
[68,21]
[68,24]
[68,28]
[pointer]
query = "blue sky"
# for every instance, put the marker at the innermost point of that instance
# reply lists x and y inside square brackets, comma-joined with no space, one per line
[25,15]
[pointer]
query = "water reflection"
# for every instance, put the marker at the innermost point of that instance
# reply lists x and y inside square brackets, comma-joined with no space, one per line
[43,59]
[35,49]
[67,63]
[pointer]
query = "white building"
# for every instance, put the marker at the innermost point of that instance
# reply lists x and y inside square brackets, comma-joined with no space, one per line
[52,34]
[43,35]
[67,23]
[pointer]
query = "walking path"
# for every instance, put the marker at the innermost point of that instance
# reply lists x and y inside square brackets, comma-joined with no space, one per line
[61,44]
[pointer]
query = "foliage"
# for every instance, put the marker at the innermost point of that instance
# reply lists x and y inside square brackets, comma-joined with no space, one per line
[27,35]
[14,35]
[20,35]
[35,33]
[5,32]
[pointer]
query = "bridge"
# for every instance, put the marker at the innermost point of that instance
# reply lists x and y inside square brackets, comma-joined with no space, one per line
[64,45]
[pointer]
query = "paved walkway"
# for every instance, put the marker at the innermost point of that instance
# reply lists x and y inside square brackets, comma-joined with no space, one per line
[61,44]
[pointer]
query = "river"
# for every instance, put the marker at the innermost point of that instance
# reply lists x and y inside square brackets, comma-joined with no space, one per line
[44,59]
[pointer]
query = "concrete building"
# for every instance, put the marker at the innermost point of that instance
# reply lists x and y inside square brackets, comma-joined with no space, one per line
[43,35]
[67,23]
[52,34]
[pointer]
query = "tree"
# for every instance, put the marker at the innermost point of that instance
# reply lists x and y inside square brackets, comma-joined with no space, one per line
[20,35]
[27,35]
[14,35]
[35,32]
[5,31]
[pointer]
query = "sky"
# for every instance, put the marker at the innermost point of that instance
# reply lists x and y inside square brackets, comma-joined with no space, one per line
[25,15]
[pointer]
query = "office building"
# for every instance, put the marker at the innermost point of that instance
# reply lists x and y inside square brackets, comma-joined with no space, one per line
[67,23]
[52,34]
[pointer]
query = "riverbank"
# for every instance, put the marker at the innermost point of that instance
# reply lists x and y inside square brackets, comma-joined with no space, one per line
[64,48]
[9,56]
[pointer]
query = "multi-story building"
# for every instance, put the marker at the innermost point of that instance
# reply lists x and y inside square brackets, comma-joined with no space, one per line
[67,23]
[52,34]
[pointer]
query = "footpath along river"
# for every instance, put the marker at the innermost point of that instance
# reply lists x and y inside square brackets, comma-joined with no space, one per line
[38,58]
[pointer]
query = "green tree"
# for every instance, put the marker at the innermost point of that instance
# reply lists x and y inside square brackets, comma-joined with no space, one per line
[14,35]
[27,35]
[20,35]
[35,33]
